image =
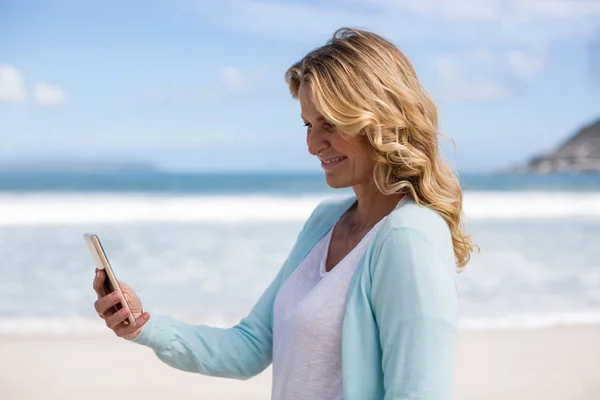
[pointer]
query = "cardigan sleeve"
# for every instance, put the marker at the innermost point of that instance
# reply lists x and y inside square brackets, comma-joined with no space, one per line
[239,352]
[414,299]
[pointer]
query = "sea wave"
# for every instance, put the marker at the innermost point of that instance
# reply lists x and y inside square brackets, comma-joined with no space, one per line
[78,209]
[75,209]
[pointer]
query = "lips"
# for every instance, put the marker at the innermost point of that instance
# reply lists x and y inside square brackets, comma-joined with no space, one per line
[330,163]
[332,160]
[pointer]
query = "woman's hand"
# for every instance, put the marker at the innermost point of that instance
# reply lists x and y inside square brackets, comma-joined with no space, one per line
[115,320]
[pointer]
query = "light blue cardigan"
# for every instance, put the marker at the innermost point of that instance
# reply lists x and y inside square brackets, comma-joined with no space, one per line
[400,324]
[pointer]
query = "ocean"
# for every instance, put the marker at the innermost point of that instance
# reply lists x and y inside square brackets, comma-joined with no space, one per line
[203,247]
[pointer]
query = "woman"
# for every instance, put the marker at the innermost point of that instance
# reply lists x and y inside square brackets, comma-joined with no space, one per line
[365,306]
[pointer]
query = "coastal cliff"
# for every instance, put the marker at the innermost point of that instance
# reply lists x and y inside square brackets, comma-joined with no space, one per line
[580,153]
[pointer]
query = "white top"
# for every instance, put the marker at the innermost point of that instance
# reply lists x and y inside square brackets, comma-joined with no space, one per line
[307,326]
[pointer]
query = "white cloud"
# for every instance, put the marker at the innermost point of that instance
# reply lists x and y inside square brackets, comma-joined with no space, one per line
[301,22]
[455,10]
[47,95]
[485,75]
[12,87]
[477,21]
[525,64]
[594,58]
[467,77]
[560,9]
[233,83]
[517,33]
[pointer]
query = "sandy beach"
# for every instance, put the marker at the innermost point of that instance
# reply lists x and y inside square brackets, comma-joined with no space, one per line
[552,363]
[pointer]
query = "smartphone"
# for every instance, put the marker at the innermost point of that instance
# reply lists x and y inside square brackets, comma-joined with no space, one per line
[111,284]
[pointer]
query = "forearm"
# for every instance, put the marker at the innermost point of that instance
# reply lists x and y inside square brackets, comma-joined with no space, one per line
[239,352]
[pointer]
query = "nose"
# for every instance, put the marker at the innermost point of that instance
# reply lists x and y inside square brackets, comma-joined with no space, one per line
[317,141]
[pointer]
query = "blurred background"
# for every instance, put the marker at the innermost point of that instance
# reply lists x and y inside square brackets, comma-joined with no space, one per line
[167,129]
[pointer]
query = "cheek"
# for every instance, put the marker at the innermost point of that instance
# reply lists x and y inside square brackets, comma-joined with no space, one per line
[345,146]
[357,148]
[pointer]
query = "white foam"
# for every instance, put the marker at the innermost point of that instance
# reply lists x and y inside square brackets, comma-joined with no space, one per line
[106,208]
[75,209]
[531,205]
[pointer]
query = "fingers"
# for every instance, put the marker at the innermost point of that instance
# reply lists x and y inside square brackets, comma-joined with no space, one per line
[99,283]
[103,304]
[128,331]
[114,320]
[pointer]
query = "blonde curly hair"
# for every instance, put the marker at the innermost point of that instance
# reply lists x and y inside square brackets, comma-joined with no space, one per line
[365,85]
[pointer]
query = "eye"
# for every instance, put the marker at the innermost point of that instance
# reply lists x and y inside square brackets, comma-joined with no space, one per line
[329,127]
[307,125]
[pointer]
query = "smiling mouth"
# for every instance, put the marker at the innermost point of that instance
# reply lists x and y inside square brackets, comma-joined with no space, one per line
[332,162]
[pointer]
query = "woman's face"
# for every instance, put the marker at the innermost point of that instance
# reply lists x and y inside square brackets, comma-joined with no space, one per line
[347,161]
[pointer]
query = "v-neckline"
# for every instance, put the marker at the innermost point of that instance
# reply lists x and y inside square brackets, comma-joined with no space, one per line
[323,264]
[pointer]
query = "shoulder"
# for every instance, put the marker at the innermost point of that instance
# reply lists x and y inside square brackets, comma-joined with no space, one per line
[411,215]
[418,227]
[413,259]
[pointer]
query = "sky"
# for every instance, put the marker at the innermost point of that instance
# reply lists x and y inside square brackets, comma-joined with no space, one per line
[199,85]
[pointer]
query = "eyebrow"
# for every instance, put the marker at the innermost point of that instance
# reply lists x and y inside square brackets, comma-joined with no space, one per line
[319,118]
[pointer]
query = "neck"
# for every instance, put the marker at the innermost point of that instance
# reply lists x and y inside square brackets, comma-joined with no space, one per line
[372,205]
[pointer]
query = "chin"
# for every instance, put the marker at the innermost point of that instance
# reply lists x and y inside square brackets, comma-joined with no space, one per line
[337,182]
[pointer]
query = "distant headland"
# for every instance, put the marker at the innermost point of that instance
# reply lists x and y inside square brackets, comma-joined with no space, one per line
[580,153]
